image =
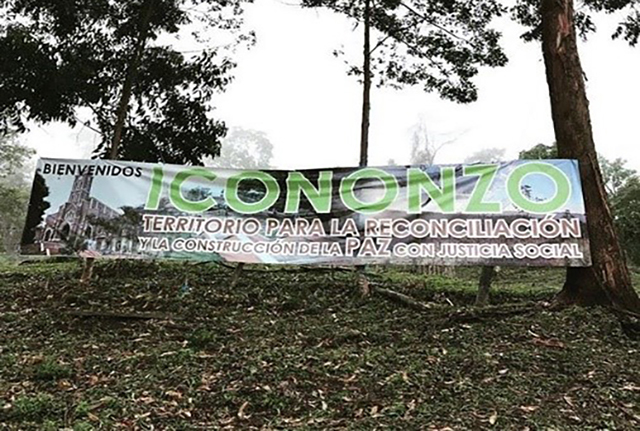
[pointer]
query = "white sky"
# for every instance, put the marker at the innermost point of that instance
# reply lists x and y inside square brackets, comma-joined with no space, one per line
[290,86]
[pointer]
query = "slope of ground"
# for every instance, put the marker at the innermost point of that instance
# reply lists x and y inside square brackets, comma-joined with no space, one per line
[290,349]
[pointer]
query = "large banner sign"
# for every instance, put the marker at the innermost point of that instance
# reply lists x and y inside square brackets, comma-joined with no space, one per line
[516,213]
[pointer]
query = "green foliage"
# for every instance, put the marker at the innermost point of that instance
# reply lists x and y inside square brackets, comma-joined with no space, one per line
[540,152]
[51,369]
[614,174]
[626,208]
[82,409]
[12,210]
[82,426]
[14,191]
[13,156]
[629,27]
[61,56]
[527,13]
[36,408]
[126,225]
[436,44]
[203,338]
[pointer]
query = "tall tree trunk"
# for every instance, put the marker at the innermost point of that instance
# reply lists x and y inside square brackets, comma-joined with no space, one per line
[608,281]
[123,106]
[366,88]
[132,73]
[365,289]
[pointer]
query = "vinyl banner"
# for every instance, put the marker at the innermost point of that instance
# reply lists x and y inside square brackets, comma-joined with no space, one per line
[515,213]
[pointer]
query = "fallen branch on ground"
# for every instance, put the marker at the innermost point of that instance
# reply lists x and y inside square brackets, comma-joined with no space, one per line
[118,315]
[401,298]
[298,269]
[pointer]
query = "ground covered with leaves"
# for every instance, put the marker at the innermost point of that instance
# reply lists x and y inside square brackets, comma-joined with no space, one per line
[300,349]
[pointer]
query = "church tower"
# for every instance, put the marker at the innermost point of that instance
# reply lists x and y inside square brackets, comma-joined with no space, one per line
[81,189]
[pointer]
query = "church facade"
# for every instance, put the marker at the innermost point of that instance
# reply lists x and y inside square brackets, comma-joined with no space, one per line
[78,224]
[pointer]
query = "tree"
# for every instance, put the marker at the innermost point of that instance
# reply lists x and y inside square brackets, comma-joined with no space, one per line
[608,281]
[13,156]
[540,152]
[14,190]
[626,207]
[486,155]
[438,45]
[423,147]
[109,64]
[615,175]
[244,149]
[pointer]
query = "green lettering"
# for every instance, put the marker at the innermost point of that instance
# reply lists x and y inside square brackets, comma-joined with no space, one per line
[319,198]
[179,201]
[153,200]
[476,202]
[418,180]
[551,205]
[347,192]
[238,205]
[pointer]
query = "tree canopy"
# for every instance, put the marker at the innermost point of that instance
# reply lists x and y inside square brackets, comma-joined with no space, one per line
[14,191]
[245,149]
[527,12]
[72,60]
[436,44]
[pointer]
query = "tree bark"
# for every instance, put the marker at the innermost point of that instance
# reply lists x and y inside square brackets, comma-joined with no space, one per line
[484,286]
[123,107]
[607,281]
[132,73]
[366,88]
[363,281]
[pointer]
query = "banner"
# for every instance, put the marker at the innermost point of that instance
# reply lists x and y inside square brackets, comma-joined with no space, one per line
[515,213]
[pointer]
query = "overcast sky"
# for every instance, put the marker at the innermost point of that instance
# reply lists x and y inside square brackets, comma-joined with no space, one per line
[290,86]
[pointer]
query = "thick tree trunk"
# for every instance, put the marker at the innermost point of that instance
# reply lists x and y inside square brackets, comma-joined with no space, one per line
[608,281]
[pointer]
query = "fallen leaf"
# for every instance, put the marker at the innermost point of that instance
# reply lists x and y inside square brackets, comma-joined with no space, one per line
[227,421]
[550,342]
[631,387]
[173,394]
[241,413]
[493,418]
[529,409]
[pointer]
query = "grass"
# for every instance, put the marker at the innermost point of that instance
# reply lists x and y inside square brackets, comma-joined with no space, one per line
[290,350]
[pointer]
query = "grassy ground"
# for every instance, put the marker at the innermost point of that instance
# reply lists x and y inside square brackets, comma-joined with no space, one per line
[301,350]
